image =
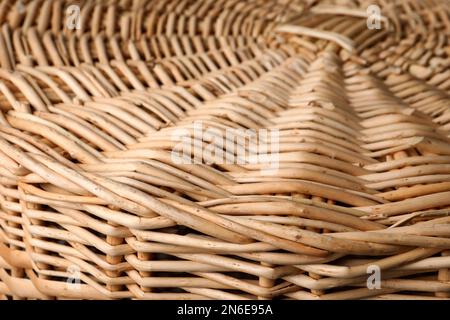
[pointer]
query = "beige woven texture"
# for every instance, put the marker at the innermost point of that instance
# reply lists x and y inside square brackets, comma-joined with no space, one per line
[92,205]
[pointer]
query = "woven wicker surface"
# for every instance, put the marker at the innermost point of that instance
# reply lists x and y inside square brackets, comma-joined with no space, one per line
[89,190]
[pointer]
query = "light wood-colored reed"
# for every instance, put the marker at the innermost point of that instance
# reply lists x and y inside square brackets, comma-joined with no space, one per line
[88,187]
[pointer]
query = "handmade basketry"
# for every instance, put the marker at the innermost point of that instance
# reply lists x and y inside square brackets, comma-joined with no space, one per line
[93,206]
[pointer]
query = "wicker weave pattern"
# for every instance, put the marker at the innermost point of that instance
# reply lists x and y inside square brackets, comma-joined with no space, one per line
[87,119]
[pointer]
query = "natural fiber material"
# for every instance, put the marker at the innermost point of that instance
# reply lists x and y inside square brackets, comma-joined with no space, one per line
[93,206]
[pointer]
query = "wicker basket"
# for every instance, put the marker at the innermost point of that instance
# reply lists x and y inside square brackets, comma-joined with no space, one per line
[92,205]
